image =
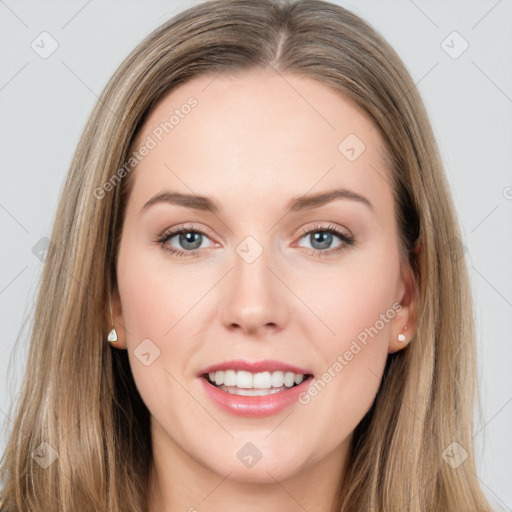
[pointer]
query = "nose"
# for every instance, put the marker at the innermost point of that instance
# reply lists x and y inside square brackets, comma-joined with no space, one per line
[254,298]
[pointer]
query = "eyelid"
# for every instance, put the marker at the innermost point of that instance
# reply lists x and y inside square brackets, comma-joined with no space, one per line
[325,226]
[185,228]
[342,233]
[319,225]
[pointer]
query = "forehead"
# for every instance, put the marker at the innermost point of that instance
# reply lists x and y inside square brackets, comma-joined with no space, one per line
[262,133]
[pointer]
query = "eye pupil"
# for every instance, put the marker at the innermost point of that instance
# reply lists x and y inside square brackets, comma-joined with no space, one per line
[323,237]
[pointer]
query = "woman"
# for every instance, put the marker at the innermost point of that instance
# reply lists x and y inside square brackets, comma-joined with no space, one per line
[253,298]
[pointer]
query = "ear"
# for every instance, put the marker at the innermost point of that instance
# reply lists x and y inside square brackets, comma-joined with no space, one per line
[117,318]
[405,320]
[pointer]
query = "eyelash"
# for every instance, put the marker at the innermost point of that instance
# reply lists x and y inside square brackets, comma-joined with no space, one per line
[347,240]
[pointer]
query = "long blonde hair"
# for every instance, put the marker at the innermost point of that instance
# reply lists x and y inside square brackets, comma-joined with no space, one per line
[78,393]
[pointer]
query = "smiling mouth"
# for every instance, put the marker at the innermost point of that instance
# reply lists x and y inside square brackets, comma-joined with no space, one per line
[261,389]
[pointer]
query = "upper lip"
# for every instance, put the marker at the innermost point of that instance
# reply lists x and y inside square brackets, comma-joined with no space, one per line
[266,365]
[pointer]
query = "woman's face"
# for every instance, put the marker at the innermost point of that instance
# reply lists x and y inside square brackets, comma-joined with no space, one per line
[273,269]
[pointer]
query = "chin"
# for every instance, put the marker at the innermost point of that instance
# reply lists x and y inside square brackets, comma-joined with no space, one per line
[248,466]
[259,474]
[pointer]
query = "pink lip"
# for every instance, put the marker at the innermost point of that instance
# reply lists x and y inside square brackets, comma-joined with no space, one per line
[267,365]
[254,406]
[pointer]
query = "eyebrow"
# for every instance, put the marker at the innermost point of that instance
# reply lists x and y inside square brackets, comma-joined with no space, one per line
[296,204]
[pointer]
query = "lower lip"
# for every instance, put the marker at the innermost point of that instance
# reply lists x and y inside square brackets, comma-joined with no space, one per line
[254,406]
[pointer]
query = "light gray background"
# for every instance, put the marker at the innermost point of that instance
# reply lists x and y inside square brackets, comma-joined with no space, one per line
[45,102]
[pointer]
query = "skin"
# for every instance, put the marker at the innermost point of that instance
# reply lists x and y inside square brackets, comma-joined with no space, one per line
[252,143]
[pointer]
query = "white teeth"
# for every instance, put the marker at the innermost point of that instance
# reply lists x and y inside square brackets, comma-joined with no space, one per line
[229,378]
[252,392]
[218,377]
[277,379]
[263,380]
[243,380]
[289,379]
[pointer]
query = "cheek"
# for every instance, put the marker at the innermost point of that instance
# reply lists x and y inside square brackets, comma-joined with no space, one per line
[354,307]
[145,298]
[163,324]
[348,300]
[153,298]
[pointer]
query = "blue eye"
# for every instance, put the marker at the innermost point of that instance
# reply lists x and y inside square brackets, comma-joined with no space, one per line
[321,239]
[191,239]
[187,237]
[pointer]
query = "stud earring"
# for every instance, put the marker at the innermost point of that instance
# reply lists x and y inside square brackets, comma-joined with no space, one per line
[401,337]
[112,335]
